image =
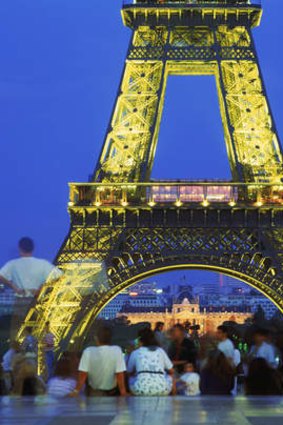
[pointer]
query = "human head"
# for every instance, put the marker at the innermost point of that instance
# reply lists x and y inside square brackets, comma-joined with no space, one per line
[218,364]
[260,336]
[178,333]
[189,368]
[26,247]
[147,338]
[222,333]
[104,335]
[258,366]
[159,326]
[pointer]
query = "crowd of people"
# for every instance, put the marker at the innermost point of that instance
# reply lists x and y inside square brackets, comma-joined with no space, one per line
[156,364]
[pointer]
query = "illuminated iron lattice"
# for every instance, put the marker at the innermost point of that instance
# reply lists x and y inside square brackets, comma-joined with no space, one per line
[123,227]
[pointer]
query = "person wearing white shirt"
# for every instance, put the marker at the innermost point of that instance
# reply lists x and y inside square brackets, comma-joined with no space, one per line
[150,369]
[104,367]
[262,349]
[190,381]
[7,363]
[225,345]
[25,276]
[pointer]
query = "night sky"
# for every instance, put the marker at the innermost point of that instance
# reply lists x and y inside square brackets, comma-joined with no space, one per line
[61,62]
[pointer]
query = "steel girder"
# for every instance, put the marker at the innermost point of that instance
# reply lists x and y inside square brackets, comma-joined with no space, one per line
[99,261]
[228,53]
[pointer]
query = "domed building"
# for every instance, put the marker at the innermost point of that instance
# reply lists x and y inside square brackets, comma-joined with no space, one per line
[185,311]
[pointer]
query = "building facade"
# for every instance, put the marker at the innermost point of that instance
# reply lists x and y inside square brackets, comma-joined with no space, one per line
[186,312]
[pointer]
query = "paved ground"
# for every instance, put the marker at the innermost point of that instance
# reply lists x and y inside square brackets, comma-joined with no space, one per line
[143,411]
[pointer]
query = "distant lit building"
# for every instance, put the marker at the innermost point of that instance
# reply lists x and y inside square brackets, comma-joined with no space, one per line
[224,295]
[111,310]
[7,299]
[185,312]
[238,302]
[140,296]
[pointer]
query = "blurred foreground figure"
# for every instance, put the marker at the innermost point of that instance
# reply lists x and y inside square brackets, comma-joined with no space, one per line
[103,366]
[225,345]
[262,379]
[48,348]
[182,349]
[150,369]
[262,348]
[7,364]
[217,376]
[25,276]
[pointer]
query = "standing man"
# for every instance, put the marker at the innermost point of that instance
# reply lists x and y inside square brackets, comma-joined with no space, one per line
[48,348]
[182,349]
[160,336]
[262,348]
[225,344]
[25,276]
[30,346]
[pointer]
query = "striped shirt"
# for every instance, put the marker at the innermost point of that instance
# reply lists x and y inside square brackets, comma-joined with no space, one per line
[60,387]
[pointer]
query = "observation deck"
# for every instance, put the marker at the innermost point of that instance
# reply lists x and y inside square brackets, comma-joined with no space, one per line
[191,12]
[172,194]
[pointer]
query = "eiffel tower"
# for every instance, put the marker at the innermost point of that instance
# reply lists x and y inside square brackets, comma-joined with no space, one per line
[125,227]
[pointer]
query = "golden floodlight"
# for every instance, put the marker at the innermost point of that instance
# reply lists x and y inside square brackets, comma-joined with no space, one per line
[205,203]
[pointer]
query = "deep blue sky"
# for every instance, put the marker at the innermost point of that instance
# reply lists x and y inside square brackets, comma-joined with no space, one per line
[61,62]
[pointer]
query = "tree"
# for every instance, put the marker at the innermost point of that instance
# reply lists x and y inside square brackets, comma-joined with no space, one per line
[259,316]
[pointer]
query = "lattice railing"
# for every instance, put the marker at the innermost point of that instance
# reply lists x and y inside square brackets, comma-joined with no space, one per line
[175,193]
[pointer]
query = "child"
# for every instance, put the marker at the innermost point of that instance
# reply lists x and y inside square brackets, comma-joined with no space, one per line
[189,381]
[63,382]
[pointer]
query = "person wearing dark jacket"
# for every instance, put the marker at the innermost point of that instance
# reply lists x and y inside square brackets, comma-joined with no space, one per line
[217,376]
[182,349]
[262,379]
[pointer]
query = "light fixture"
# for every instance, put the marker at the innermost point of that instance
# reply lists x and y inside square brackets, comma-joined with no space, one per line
[178,203]
[232,203]
[97,203]
[71,204]
[124,203]
[151,203]
[259,203]
[205,203]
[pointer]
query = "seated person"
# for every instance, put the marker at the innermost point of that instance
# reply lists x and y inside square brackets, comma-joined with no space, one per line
[182,349]
[262,348]
[149,367]
[217,376]
[63,381]
[189,383]
[27,382]
[262,379]
[103,366]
